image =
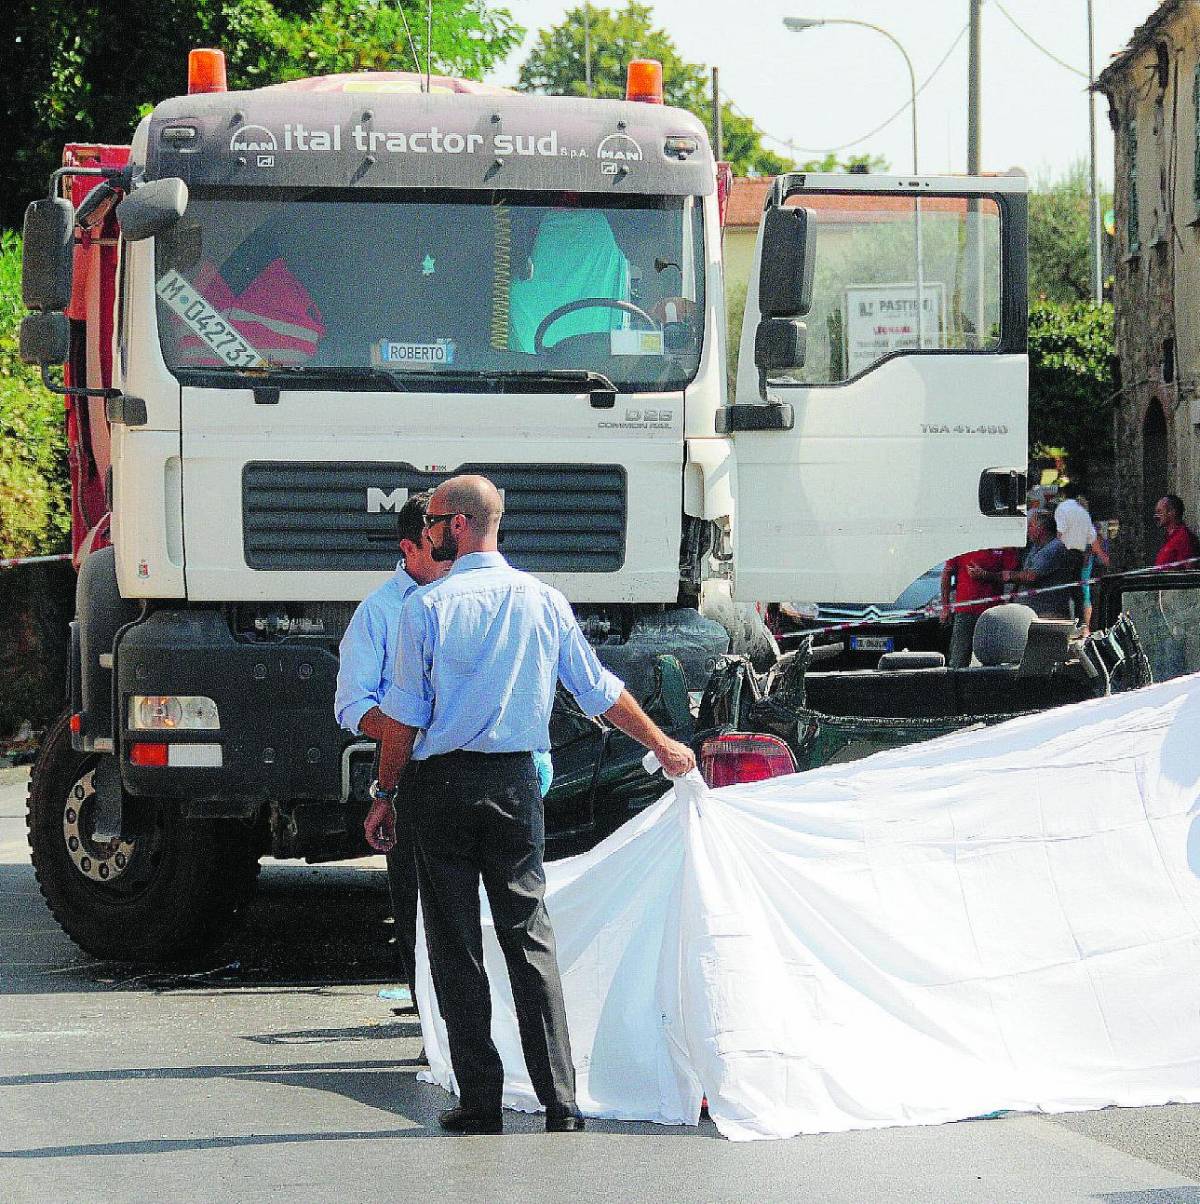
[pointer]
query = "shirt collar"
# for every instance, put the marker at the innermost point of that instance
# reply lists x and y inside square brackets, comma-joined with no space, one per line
[478,560]
[402,579]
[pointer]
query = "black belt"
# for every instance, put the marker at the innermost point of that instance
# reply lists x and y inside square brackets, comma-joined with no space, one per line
[462,754]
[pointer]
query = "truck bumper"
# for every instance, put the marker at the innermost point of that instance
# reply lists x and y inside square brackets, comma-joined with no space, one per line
[278,739]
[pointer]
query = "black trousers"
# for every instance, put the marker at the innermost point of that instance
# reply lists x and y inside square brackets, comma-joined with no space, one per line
[402,883]
[479,816]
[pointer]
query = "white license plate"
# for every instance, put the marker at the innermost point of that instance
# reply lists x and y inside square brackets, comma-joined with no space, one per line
[870,643]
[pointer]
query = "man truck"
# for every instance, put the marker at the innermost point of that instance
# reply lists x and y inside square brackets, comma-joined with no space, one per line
[282,310]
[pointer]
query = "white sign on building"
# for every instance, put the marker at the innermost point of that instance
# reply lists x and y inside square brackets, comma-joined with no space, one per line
[881,318]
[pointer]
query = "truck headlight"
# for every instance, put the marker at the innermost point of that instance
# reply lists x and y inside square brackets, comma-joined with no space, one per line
[170,712]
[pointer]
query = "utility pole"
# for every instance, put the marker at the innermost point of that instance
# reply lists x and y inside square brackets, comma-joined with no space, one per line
[1094,223]
[974,106]
[718,135]
[974,306]
[587,47]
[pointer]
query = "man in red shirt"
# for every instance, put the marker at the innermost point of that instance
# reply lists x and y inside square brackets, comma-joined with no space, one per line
[971,597]
[1180,545]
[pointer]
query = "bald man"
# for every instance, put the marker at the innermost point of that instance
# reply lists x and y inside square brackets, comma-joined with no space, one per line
[481,650]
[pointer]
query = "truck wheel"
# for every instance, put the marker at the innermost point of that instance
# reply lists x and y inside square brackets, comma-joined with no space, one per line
[165,893]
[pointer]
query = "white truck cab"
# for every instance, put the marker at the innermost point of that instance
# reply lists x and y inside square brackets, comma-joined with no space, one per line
[312,299]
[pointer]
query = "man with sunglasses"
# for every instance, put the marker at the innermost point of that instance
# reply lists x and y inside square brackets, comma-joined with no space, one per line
[481,650]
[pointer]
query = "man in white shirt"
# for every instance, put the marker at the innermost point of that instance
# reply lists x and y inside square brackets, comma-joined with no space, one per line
[1075,526]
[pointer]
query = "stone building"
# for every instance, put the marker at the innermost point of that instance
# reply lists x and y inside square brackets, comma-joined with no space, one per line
[1153,91]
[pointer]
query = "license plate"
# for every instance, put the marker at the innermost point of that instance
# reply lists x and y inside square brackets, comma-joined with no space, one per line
[870,643]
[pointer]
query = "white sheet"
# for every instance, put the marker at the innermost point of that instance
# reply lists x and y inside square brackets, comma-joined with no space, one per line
[1001,919]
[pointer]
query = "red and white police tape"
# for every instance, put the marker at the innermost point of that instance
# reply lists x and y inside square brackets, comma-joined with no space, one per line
[934,610]
[14,562]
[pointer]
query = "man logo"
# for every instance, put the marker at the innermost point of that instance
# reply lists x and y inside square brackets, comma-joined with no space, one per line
[253,139]
[617,151]
[378,501]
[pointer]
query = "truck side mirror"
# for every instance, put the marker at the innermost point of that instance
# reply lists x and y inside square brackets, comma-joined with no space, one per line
[152,209]
[779,344]
[785,270]
[785,287]
[48,254]
[45,339]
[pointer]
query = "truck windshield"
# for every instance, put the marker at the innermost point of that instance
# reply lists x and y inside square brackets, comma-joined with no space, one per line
[422,284]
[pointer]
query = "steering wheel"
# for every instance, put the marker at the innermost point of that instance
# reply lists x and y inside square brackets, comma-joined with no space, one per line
[553,316]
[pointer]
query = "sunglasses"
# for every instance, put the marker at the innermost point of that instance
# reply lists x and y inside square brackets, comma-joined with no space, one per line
[429,521]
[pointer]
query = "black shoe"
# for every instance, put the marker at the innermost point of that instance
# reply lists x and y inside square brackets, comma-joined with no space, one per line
[464,1120]
[565,1122]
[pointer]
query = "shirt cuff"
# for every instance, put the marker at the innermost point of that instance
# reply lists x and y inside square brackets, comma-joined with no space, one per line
[600,698]
[352,714]
[406,708]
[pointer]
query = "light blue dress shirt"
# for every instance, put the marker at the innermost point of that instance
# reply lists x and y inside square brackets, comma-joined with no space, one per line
[480,651]
[368,650]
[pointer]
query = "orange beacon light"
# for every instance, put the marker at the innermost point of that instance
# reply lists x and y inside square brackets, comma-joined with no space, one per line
[644,81]
[206,71]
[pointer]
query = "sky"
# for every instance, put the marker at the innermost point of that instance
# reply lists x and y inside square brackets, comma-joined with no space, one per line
[829,86]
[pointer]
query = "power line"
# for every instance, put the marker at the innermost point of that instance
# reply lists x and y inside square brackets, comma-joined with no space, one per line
[1034,42]
[820,150]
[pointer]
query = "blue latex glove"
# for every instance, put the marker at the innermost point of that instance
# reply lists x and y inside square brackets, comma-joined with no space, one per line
[545,771]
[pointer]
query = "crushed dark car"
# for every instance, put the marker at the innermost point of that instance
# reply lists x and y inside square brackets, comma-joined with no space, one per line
[1149,631]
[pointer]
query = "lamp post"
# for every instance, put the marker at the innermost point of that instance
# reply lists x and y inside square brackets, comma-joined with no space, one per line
[799,25]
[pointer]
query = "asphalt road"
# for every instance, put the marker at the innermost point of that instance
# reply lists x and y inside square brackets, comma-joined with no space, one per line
[285,1077]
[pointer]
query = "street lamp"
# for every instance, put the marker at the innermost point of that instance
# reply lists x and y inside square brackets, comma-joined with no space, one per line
[799,25]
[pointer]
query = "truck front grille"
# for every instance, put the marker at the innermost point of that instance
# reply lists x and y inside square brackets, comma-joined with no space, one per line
[318,517]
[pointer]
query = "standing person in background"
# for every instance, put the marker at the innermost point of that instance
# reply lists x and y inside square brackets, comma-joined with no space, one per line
[971,596]
[1047,569]
[1089,570]
[1077,533]
[481,651]
[1180,546]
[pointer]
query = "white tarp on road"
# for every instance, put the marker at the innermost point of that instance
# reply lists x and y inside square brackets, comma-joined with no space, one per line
[1001,919]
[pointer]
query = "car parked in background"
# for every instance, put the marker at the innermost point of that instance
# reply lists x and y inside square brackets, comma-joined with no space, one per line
[866,631]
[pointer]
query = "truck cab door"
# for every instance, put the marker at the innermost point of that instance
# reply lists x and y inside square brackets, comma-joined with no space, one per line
[875,437]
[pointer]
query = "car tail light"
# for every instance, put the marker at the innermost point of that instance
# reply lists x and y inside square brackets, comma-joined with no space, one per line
[153,755]
[744,757]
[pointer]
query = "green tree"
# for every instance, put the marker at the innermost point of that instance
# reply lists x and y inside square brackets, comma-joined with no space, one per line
[866,162]
[1072,379]
[35,515]
[1059,242]
[556,65]
[86,71]
[469,37]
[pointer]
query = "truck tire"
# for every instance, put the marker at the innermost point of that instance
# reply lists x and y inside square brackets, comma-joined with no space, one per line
[166,894]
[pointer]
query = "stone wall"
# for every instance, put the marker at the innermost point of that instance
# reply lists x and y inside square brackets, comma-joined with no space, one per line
[1156,294]
[37,602]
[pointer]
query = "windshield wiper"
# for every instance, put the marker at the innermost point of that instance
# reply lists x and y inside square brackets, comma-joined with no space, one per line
[534,380]
[298,376]
[543,380]
[592,382]
[522,380]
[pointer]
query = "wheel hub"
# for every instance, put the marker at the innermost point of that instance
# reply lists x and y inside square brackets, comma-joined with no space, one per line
[101,862]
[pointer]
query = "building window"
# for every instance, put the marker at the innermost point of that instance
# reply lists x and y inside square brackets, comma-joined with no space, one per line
[1133,240]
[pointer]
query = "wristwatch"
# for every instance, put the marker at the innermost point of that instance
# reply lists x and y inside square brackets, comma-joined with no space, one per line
[379,795]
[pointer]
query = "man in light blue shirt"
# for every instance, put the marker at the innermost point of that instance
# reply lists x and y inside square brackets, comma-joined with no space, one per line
[480,652]
[366,670]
